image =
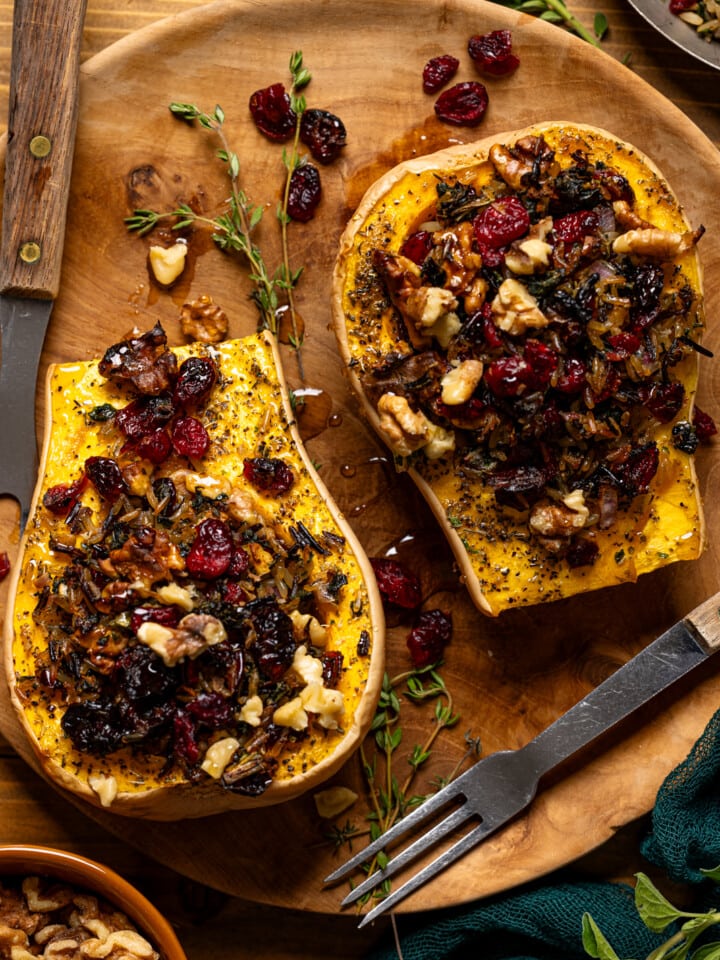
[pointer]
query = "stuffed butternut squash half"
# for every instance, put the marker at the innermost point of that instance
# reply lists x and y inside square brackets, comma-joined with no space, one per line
[520,318]
[194,628]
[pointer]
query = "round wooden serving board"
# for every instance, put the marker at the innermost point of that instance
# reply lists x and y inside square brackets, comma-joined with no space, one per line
[509,677]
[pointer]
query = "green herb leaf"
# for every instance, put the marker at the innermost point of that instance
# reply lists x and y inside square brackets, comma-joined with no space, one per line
[708,951]
[594,942]
[600,25]
[655,910]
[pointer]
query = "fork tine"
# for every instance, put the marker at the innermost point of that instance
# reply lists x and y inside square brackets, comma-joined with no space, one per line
[428,872]
[426,809]
[427,840]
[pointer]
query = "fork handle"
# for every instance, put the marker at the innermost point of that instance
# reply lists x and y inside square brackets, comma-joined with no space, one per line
[658,666]
[42,118]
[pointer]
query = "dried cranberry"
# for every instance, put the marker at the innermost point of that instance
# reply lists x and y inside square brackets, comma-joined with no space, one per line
[269,474]
[665,400]
[304,194]
[4,564]
[492,53]
[233,593]
[93,727]
[211,550]
[542,362]
[636,473]
[438,71]
[272,112]
[704,425]
[61,498]
[396,583]
[622,345]
[647,286]
[106,477]
[212,710]
[274,644]
[507,376]
[574,226]
[492,333]
[428,638]
[155,446]
[196,378]
[190,438]
[463,105]
[501,222]
[239,564]
[572,378]
[582,552]
[332,665]
[143,676]
[417,246]
[681,6]
[166,616]
[144,415]
[185,746]
[323,133]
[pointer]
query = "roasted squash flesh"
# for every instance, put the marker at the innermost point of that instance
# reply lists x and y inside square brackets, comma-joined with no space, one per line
[208,638]
[520,319]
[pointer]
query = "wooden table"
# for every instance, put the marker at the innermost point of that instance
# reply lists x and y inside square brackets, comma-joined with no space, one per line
[209,923]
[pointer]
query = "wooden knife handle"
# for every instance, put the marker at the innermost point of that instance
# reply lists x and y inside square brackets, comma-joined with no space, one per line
[42,118]
[706,620]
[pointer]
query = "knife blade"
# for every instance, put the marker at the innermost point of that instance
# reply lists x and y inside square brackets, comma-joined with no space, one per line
[42,120]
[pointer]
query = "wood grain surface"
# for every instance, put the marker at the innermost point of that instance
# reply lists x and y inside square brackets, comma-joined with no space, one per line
[271,864]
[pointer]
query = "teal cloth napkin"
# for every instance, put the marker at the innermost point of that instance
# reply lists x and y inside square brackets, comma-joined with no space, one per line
[544,922]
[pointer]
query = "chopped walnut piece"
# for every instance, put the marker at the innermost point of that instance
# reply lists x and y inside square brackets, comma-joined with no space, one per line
[203,320]
[520,161]
[192,636]
[515,310]
[333,801]
[426,305]
[123,944]
[167,263]
[459,383]
[627,218]
[406,431]
[43,902]
[555,520]
[147,556]
[656,243]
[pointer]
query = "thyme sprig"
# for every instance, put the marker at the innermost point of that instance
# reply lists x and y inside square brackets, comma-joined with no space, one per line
[392,796]
[233,229]
[555,11]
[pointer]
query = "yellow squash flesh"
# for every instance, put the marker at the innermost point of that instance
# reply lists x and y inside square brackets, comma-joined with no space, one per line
[501,566]
[248,411]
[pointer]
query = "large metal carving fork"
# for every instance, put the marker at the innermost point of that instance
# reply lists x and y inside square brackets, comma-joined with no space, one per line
[502,785]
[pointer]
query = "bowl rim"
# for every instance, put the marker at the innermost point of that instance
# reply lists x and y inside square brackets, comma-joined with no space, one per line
[27,859]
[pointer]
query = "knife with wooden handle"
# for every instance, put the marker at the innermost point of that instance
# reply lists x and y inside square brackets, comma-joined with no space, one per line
[42,119]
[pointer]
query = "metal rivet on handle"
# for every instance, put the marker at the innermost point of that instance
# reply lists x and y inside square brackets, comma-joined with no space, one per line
[40,146]
[30,252]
